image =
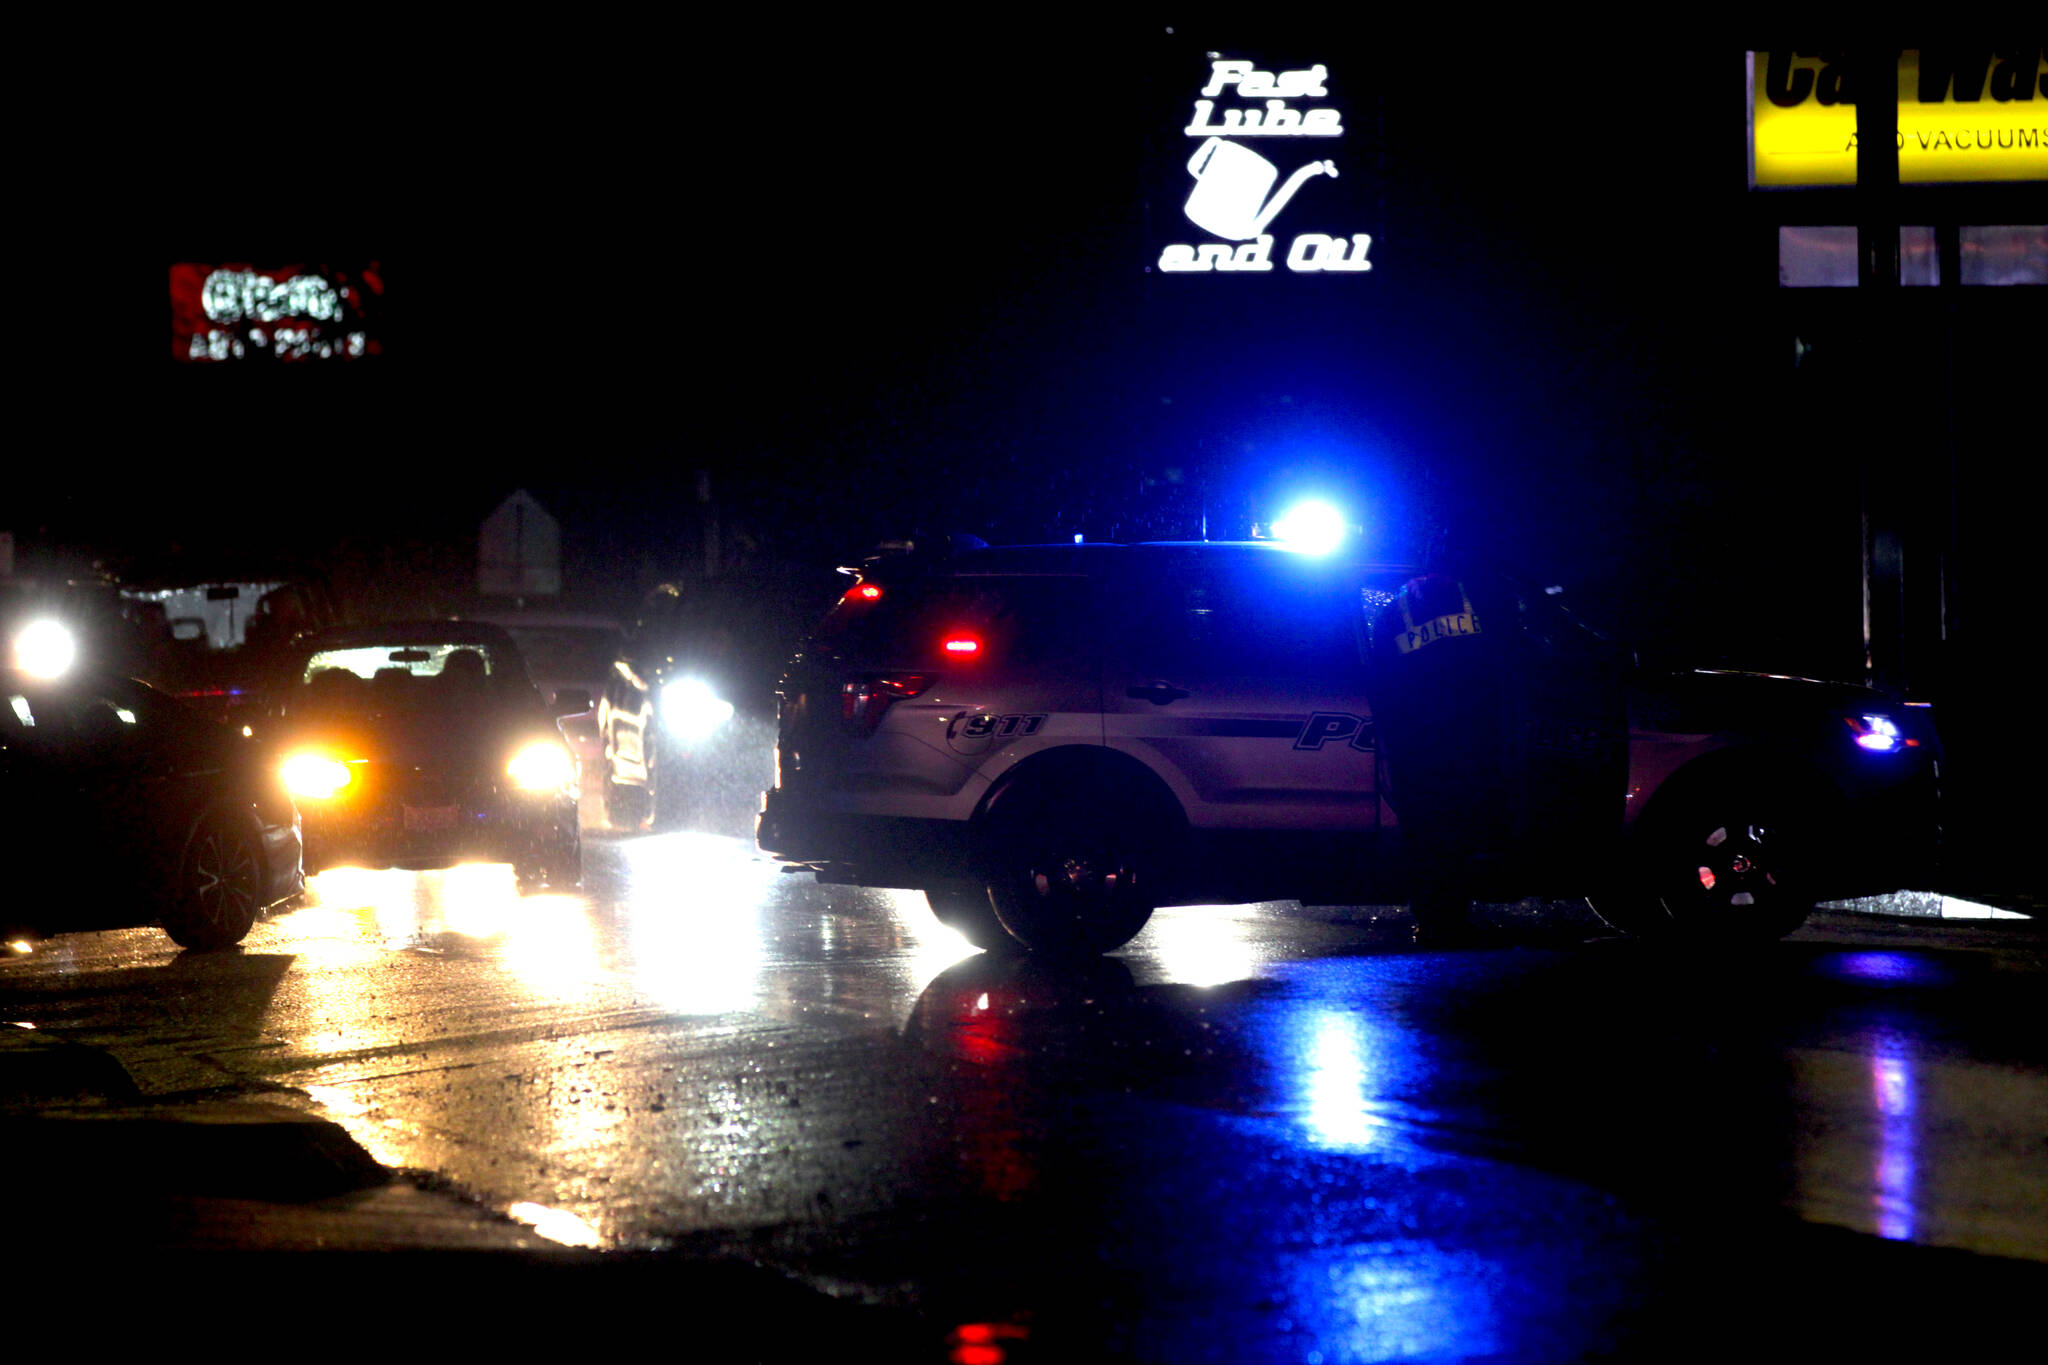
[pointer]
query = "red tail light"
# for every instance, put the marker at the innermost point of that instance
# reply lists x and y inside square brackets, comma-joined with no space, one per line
[962,646]
[862,592]
[862,701]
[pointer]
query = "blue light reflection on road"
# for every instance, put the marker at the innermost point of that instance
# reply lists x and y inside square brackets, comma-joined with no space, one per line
[1337,1079]
[1892,1091]
[1347,1229]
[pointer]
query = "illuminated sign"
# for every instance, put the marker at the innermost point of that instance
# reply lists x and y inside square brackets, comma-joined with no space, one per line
[292,313]
[1237,189]
[1964,115]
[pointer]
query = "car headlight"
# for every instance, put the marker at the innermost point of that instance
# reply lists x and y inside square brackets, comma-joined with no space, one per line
[314,776]
[44,649]
[691,710]
[541,766]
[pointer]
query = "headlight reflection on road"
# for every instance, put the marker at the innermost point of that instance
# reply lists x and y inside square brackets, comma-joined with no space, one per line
[557,1225]
[1201,945]
[695,921]
[935,946]
[546,941]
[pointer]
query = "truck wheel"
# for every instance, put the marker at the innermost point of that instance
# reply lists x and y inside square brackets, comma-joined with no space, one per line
[1074,874]
[666,794]
[218,889]
[624,806]
[965,909]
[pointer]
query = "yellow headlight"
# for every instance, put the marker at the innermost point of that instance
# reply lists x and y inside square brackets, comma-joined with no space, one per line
[316,776]
[539,766]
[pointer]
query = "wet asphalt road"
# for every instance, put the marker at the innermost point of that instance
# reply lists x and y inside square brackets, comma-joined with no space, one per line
[1258,1132]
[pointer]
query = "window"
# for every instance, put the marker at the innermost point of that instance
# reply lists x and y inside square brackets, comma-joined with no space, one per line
[1274,615]
[1825,257]
[2005,255]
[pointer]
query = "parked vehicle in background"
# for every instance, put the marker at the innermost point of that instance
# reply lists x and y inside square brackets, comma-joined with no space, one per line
[1051,741]
[566,652]
[124,807]
[690,702]
[424,744]
[210,643]
[50,625]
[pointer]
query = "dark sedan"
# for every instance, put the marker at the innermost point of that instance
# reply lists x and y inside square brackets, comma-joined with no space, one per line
[426,744]
[122,807]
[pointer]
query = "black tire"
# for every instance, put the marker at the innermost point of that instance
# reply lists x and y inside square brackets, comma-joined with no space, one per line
[1728,865]
[625,808]
[666,798]
[218,887]
[1075,872]
[966,910]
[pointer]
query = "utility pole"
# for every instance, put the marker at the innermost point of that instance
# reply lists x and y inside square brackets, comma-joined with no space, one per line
[1875,73]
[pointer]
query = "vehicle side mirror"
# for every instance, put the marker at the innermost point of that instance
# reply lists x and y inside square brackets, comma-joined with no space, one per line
[572,701]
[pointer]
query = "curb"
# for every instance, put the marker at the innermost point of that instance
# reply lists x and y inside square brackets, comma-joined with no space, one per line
[235,1149]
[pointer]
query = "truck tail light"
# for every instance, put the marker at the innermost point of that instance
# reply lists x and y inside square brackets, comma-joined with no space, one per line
[864,700]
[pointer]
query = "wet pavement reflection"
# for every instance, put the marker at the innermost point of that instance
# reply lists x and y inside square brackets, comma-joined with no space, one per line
[1258,1132]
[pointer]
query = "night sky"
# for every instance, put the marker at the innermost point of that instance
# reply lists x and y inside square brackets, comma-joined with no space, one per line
[888,277]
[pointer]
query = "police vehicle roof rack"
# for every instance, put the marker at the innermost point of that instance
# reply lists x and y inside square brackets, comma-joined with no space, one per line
[922,547]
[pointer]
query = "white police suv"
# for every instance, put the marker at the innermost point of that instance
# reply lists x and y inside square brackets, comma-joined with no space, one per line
[1051,741]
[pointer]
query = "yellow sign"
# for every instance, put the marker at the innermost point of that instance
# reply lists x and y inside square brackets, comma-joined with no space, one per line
[1964,114]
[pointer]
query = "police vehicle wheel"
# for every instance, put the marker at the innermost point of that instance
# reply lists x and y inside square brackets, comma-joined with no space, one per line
[1723,867]
[219,887]
[965,909]
[1073,877]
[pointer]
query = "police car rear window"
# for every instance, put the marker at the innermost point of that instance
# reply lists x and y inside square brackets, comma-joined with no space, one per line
[1254,616]
[1017,618]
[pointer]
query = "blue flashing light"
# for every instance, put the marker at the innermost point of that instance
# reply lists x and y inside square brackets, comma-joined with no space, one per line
[1879,734]
[1313,527]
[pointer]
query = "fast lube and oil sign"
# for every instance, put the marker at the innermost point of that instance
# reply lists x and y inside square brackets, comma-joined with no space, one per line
[1259,145]
[1964,115]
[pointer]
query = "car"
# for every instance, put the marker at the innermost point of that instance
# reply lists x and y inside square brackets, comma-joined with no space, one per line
[210,643]
[125,807]
[692,688]
[566,652]
[423,744]
[1051,741]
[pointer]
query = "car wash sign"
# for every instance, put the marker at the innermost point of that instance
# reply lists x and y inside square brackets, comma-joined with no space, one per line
[1262,151]
[1965,114]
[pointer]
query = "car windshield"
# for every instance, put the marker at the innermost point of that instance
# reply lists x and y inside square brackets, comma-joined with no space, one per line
[408,676]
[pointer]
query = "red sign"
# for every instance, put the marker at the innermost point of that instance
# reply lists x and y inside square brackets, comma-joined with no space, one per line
[238,311]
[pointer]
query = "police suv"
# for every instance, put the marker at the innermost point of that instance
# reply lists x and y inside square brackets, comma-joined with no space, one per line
[1051,741]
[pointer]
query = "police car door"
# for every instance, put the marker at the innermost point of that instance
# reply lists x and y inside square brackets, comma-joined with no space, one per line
[1568,761]
[1236,675]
